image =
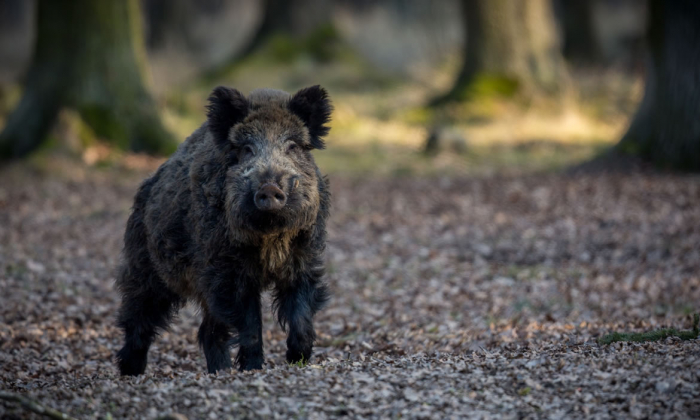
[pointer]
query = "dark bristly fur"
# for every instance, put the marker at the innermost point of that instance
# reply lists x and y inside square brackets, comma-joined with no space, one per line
[197,231]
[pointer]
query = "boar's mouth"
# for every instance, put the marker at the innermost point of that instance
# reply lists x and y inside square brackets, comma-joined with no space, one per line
[267,222]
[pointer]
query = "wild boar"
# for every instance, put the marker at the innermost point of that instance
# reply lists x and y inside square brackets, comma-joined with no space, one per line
[240,207]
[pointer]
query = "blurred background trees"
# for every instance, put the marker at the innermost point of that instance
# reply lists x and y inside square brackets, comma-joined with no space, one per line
[510,46]
[666,128]
[88,56]
[384,61]
[581,44]
[288,19]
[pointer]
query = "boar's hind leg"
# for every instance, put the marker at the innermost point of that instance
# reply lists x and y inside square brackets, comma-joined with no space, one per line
[214,338]
[296,305]
[147,308]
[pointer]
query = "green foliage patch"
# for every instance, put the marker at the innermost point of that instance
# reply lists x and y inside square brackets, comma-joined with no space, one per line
[655,335]
[300,363]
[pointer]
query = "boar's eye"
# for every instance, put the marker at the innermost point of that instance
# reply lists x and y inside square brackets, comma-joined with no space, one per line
[291,147]
[246,152]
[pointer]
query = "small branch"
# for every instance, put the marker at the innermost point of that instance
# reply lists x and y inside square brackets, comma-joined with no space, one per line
[172,416]
[655,335]
[35,406]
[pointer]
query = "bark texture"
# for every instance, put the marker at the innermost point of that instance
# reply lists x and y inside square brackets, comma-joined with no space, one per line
[512,44]
[666,127]
[89,56]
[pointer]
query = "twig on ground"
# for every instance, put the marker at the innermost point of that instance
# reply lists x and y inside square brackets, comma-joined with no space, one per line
[655,335]
[34,406]
[172,416]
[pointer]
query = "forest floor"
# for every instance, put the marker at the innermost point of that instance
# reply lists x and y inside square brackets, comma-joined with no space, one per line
[454,296]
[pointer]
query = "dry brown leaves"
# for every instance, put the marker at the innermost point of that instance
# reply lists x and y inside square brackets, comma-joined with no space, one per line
[453,298]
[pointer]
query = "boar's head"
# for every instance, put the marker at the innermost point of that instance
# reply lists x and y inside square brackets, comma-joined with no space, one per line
[267,139]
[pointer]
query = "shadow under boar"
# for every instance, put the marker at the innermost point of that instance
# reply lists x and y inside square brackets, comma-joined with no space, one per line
[240,207]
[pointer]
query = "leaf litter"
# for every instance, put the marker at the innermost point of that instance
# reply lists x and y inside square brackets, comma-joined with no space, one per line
[453,297]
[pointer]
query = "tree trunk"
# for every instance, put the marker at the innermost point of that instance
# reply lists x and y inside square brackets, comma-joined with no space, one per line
[44,89]
[277,19]
[89,56]
[666,127]
[511,46]
[290,18]
[581,44]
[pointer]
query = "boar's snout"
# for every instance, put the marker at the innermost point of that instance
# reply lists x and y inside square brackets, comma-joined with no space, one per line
[270,198]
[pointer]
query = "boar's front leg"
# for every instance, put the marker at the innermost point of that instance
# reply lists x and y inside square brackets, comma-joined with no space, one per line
[236,303]
[214,338]
[296,304]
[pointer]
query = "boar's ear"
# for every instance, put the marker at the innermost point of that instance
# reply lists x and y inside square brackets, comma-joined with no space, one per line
[226,107]
[314,108]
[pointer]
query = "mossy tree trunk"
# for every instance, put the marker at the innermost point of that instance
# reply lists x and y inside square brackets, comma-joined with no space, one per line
[666,127]
[277,19]
[511,46]
[89,56]
[288,18]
